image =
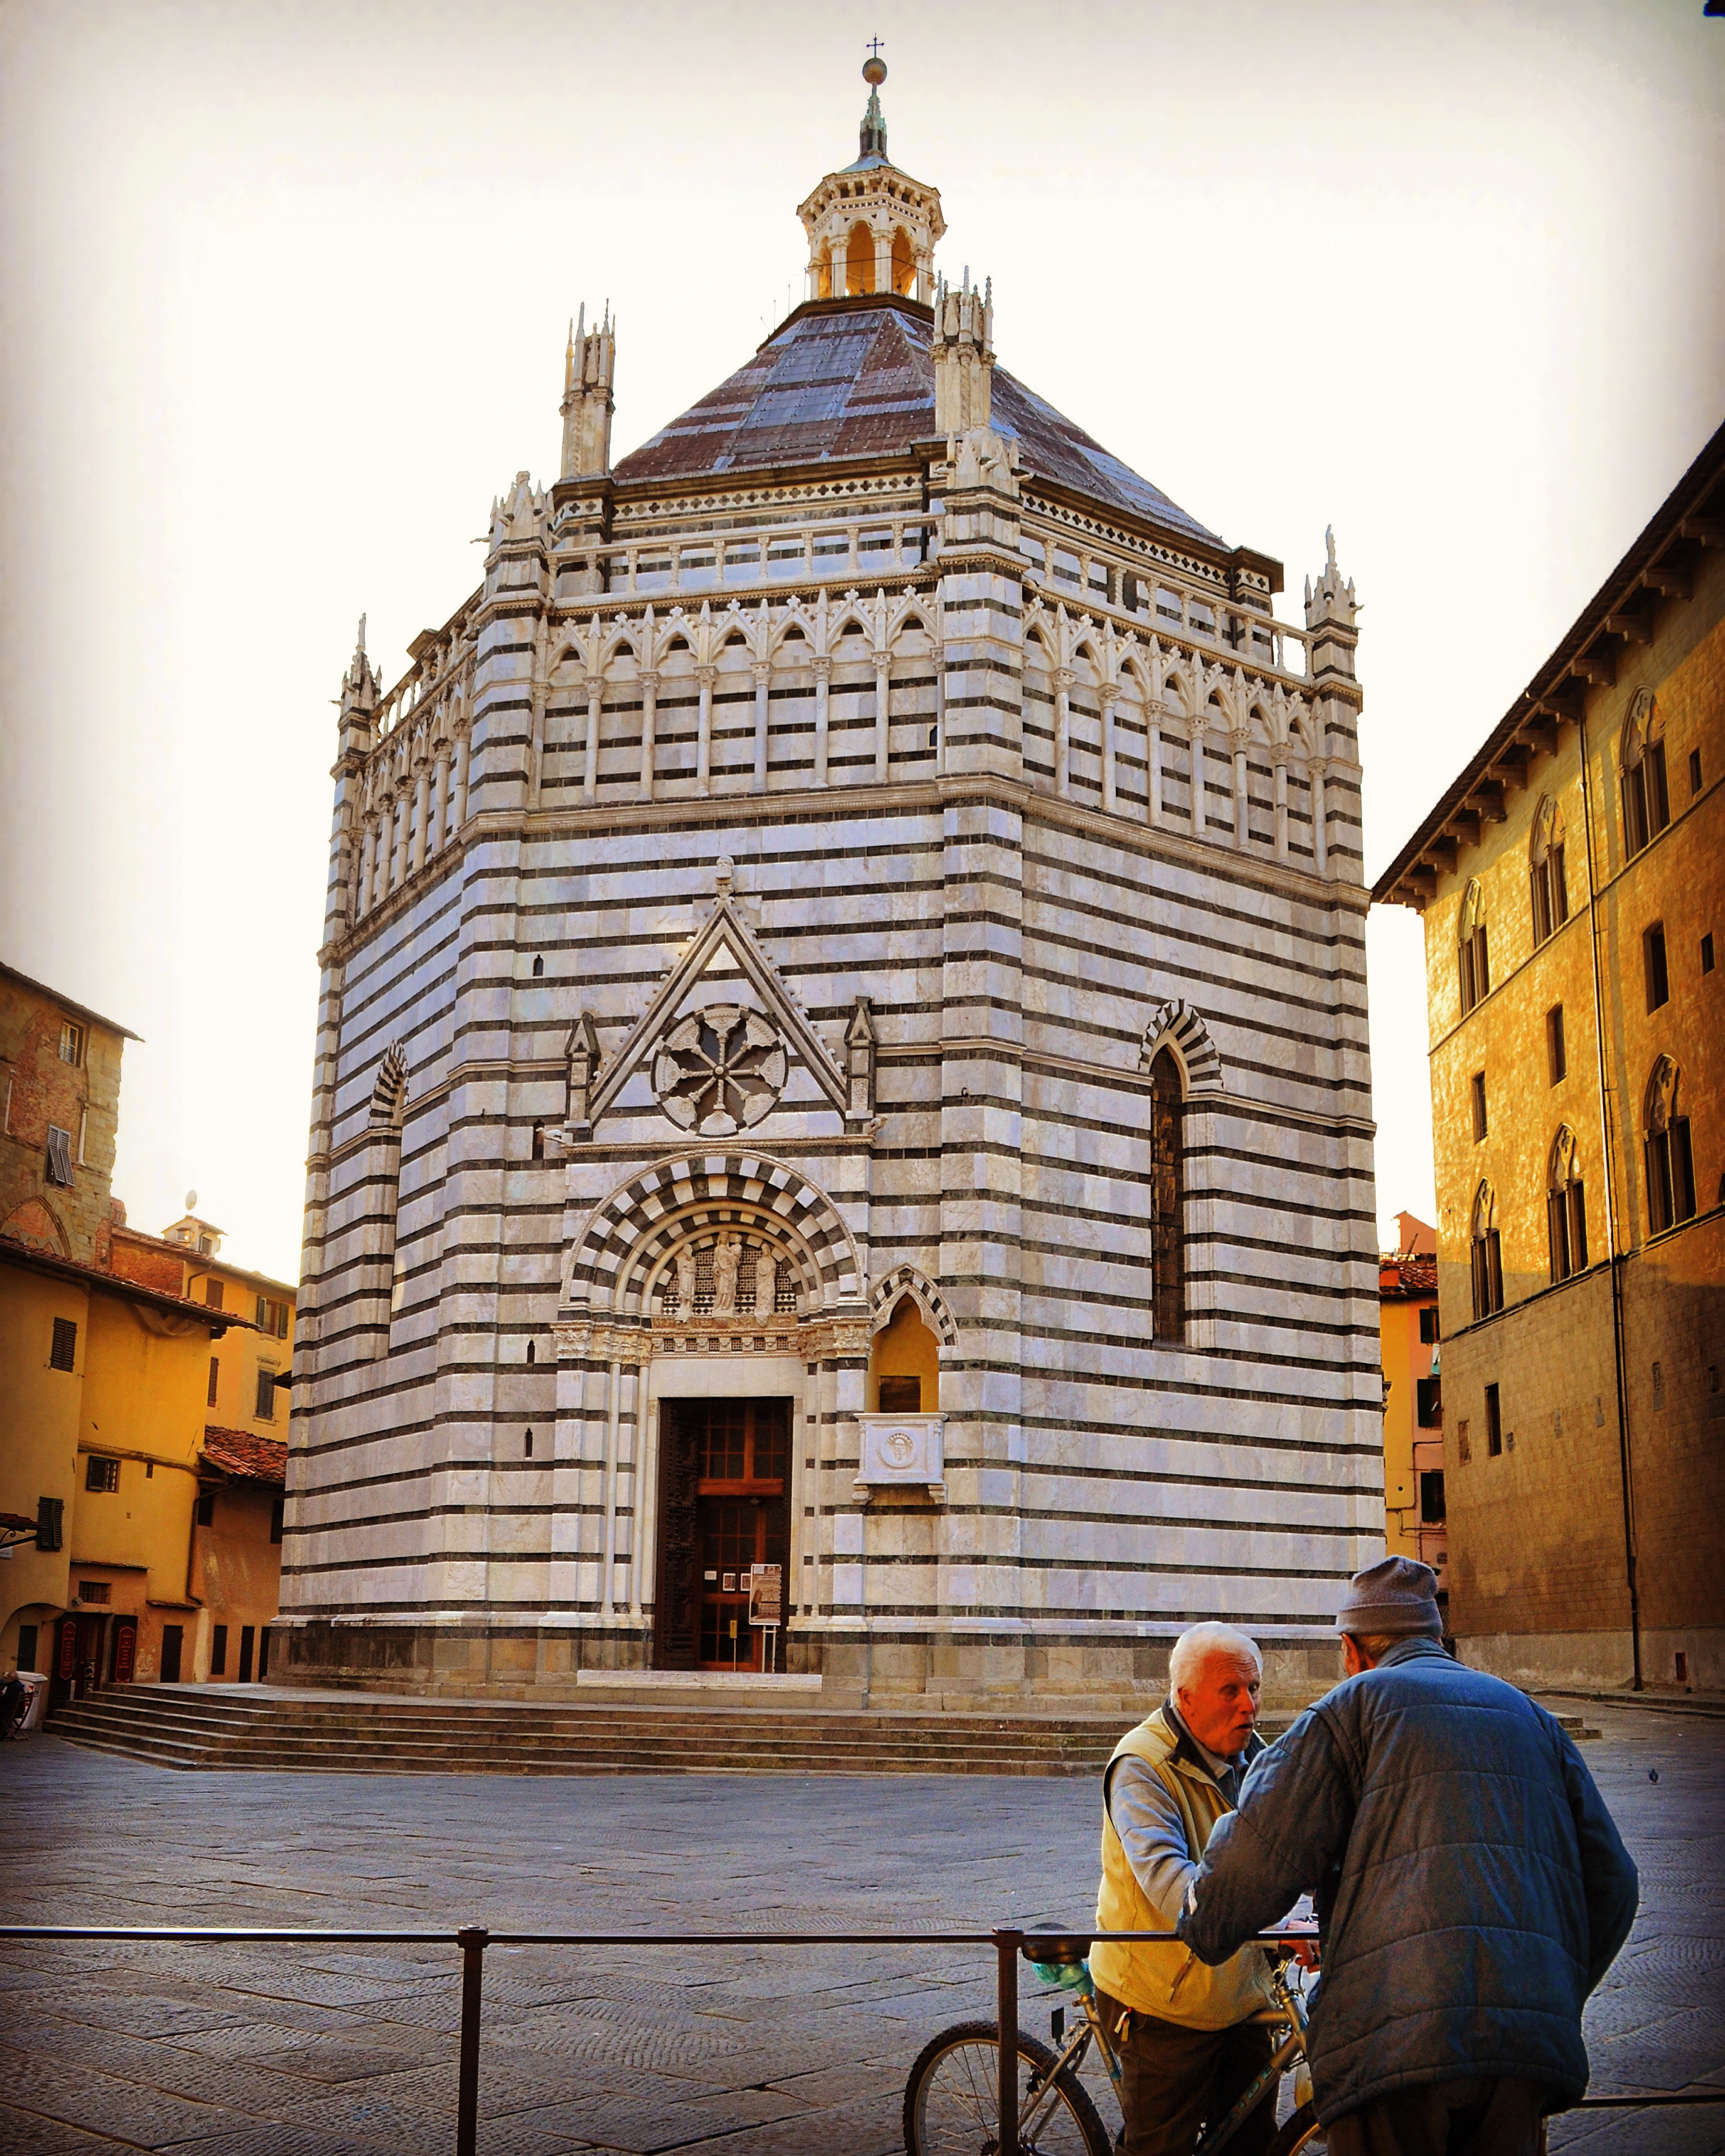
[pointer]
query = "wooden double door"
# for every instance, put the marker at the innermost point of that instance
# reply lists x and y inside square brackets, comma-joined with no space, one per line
[724,1483]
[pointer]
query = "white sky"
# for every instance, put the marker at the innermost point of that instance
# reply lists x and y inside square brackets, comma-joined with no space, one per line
[284,306]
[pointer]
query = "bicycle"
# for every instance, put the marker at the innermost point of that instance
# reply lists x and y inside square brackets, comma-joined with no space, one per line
[952,2097]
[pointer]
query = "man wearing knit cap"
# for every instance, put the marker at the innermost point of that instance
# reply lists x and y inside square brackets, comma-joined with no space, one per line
[1471,1889]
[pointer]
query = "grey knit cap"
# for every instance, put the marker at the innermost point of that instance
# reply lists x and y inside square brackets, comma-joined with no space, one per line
[1396,1595]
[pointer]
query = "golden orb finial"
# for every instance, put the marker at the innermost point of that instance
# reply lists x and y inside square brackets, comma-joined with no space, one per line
[874,67]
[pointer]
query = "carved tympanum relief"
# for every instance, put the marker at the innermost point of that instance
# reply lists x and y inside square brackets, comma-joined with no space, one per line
[728,1275]
[719,1070]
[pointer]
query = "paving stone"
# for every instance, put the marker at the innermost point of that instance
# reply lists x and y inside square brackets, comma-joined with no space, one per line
[142,2117]
[332,2058]
[271,2138]
[24,2134]
[631,2123]
[145,2017]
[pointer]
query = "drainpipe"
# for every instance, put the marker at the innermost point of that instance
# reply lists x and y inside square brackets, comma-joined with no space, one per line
[1626,1463]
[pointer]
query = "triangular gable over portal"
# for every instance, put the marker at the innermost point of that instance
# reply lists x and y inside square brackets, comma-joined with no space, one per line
[724,942]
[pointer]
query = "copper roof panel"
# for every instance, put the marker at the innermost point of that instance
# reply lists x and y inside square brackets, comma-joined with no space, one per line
[859,382]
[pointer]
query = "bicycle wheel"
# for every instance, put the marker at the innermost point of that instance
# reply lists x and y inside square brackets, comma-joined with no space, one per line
[952,2100]
[1302,2133]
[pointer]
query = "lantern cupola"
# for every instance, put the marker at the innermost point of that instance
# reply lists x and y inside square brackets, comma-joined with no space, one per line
[871,227]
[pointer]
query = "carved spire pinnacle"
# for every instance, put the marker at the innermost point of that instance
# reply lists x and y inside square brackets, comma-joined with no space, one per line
[361,688]
[962,348]
[1331,599]
[590,367]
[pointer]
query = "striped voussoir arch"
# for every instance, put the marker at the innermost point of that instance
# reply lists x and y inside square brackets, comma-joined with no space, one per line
[906,1279]
[613,1259]
[1177,1026]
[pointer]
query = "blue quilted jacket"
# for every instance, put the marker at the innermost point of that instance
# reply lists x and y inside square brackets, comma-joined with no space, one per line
[1470,1886]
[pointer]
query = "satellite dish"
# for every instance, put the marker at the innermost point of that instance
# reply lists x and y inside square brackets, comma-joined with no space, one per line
[191,1200]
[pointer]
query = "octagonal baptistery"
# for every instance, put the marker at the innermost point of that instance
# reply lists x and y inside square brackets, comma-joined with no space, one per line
[842,1091]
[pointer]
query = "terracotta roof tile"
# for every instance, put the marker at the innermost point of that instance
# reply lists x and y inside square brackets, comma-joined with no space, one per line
[239,1452]
[1406,1277]
[858,382]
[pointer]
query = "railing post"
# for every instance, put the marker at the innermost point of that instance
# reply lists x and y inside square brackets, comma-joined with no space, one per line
[1006,1950]
[472,1940]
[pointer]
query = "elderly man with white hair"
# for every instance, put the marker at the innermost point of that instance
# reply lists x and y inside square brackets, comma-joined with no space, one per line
[1189,2046]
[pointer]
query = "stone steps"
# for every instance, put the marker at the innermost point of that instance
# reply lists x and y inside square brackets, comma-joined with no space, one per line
[369,1736]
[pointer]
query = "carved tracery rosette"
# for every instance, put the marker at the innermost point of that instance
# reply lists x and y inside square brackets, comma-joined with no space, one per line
[719,1070]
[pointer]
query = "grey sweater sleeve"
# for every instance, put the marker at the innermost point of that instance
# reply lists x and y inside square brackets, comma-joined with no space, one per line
[1153,1833]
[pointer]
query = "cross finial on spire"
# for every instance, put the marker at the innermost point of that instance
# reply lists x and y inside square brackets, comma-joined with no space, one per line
[874,125]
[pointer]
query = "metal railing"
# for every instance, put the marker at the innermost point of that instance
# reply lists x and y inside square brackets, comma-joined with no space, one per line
[1007,1942]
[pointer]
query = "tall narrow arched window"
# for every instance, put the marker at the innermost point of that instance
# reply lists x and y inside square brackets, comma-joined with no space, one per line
[1168,1198]
[823,274]
[1550,891]
[1670,1164]
[859,259]
[1473,965]
[1566,1207]
[1646,804]
[904,263]
[1488,1253]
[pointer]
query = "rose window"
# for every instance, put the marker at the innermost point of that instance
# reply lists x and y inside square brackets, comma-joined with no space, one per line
[719,1070]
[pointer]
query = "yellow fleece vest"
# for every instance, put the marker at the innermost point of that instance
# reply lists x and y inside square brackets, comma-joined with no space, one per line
[1169,1982]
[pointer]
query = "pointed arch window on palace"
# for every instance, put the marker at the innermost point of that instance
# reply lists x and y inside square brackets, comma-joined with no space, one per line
[1647,800]
[1472,961]
[1550,893]
[1486,1251]
[1566,1208]
[1671,1163]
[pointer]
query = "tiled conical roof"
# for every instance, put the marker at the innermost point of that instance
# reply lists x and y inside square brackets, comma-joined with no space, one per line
[855,380]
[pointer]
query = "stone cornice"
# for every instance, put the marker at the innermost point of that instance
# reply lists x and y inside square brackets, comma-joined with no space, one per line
[604,1339]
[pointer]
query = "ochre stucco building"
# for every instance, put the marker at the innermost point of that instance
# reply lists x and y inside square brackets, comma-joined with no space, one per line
[1572,883]
[144,1543]
[1414,1493]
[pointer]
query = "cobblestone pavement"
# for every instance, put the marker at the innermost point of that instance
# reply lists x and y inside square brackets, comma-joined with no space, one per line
[294,2050]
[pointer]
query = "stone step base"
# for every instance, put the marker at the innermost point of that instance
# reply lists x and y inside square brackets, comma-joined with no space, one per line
[367,1735]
